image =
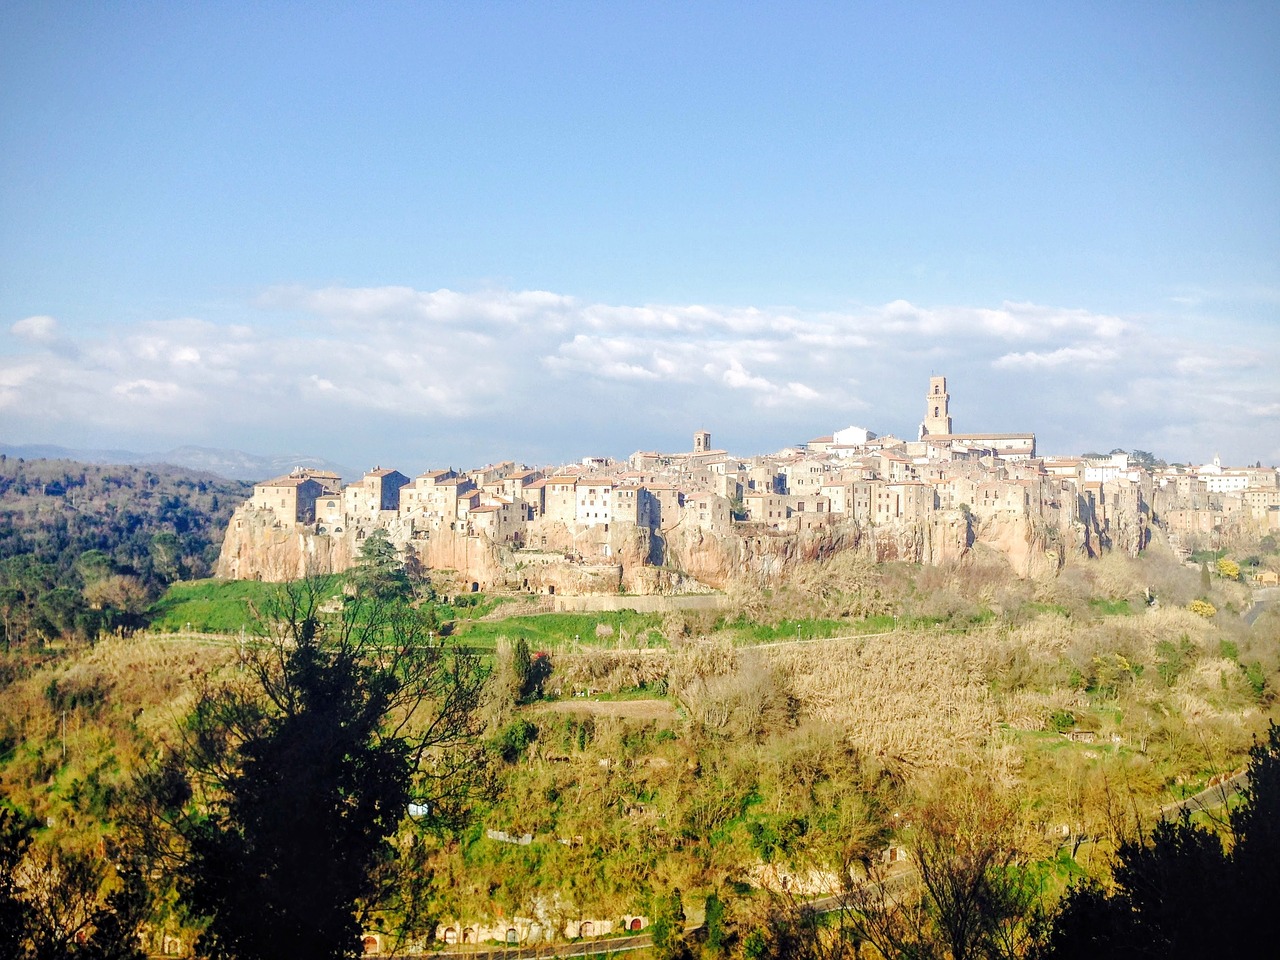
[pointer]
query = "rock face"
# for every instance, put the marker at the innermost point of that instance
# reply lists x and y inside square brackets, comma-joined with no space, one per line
[258,547]
[631,559]
[1032,547]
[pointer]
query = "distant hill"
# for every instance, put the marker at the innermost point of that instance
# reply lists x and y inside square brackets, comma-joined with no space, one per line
[233,464]
[85,548]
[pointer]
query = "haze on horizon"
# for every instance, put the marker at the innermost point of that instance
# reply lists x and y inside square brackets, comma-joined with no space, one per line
[452,233]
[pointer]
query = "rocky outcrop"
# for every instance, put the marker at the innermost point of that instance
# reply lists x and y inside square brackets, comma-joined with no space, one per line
[258,547]
[631,559]
[1031,546]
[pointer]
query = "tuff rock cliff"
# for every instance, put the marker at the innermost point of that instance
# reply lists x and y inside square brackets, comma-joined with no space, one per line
[637,560]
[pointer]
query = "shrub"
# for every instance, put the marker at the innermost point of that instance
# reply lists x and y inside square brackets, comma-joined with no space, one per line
[1202,608]
[514,739]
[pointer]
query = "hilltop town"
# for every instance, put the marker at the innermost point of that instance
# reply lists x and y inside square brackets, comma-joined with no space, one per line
[693,521]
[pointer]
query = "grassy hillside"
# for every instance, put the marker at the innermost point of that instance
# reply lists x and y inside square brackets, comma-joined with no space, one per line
[783,740]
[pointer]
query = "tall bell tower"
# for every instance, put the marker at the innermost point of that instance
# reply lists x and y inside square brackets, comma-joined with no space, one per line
[937,413]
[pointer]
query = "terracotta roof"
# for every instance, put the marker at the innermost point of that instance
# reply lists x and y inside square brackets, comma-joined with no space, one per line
[983,436]
[286,481]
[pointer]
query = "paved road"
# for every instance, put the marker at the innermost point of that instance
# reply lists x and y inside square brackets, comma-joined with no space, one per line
[1207,798]
[584,948]
[1263,598]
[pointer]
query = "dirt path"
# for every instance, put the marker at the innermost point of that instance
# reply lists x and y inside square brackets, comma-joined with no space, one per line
[627,709]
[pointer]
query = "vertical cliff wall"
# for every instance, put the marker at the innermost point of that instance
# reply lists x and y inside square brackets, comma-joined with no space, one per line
[636,560]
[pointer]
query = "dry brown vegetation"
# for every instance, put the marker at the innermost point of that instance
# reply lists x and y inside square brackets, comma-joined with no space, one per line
[916,698]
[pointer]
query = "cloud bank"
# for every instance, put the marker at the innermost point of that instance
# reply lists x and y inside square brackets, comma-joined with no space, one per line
[448,377]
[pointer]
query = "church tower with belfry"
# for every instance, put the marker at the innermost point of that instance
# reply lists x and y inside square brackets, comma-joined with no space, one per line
[937,413]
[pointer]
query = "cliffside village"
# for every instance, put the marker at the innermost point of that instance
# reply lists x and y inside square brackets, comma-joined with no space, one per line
[653,505]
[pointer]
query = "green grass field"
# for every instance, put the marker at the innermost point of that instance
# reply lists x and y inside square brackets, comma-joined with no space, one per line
[555,631]
[217,606]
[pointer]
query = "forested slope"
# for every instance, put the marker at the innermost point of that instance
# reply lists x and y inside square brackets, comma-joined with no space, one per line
[86,547]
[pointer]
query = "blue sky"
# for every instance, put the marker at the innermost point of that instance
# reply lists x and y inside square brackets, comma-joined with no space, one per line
[429,234]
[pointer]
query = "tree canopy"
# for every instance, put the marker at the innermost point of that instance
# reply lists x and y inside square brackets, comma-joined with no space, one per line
[304,767]
[1179,892]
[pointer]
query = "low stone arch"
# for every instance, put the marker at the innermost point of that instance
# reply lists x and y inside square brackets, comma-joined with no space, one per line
[586,929]
[468,935]
[370,945]
[636,923]
[450,934]
[513,935]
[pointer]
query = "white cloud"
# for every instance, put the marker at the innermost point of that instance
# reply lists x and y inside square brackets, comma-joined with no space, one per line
[13,380]
[351,365]
[38,329]
[147,391]
[1090,355]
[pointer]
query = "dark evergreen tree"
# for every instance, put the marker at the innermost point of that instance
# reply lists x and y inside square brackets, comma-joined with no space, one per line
[714,944]
[1179,893]
[522,668]
[15,914]
[667,928]
[305,772]
[380,572]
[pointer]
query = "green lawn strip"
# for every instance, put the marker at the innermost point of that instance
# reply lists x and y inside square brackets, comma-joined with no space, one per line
[558,631]
[216,606]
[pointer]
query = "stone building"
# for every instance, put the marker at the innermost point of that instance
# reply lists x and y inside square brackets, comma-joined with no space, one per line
[560,499]
[378,492]
[937,415]
[291,498]
[594,501]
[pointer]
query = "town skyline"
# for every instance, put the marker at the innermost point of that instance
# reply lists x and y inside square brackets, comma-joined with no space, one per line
[464,233]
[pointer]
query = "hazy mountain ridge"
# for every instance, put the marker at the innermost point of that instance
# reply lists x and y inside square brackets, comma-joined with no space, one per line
[232,464]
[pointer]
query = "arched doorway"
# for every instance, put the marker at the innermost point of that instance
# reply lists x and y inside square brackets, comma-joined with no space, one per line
[512,936]
[587,929]
[370,946]
[635,923]
[450,935]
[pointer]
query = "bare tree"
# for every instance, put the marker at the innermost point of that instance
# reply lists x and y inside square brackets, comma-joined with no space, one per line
[970,895]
